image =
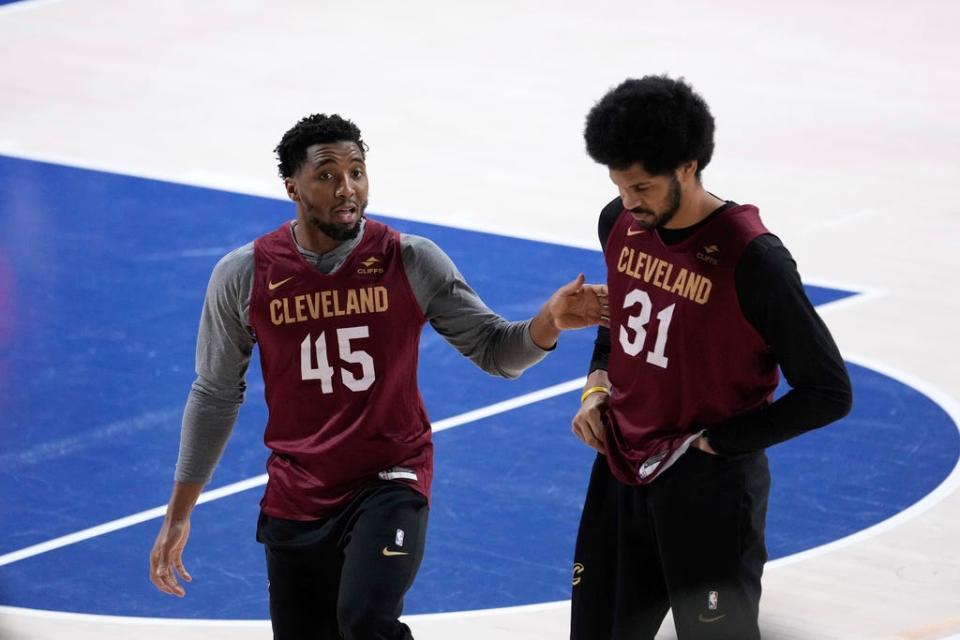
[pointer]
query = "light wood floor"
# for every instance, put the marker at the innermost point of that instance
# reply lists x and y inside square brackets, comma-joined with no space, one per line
[839,119]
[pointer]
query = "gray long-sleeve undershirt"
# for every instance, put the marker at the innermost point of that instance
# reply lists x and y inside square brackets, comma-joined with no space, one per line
[225,340]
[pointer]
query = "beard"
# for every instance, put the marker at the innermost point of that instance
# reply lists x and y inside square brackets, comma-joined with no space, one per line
[338,232]
[673,205]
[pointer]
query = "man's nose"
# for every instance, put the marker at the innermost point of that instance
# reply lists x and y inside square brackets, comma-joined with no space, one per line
[630,200]
[345,188]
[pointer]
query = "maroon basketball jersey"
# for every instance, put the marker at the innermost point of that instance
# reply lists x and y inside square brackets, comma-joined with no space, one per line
[682,356]
[339,359]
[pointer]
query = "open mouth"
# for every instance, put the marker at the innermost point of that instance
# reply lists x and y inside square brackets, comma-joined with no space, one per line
[345,214]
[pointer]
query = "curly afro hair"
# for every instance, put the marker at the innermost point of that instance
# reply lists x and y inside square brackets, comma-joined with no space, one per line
[656,121]
[318,128]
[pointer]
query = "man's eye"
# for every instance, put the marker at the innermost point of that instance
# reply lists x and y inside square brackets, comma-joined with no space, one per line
[324,176]
[357,173]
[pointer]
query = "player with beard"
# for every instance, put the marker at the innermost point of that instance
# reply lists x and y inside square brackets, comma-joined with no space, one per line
[705,304]
[337,303]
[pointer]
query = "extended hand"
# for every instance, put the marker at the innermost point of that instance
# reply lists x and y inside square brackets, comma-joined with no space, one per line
[166,557]
[573,306]
[576,305]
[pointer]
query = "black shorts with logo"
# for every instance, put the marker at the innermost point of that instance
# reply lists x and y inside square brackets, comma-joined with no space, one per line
[345,576]
[693,540]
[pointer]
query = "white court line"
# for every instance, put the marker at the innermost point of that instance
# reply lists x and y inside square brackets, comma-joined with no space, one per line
[122,523]
[946,488]
[207,622]
[250,483]
[949,485]
[230,185]
[244,186]
[508,405]
[860,295]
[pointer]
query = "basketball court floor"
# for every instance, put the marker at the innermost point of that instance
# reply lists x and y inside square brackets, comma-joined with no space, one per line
[136,149]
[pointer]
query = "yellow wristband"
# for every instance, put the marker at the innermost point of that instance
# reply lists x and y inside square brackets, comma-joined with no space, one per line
[593,390]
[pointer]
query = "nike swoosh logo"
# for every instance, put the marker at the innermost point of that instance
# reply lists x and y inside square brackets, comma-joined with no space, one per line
[273,285]
[634,232]
[389,553]
[701,618]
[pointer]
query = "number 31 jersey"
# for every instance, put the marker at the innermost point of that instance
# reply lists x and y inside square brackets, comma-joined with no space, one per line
[339,358]
[683,356]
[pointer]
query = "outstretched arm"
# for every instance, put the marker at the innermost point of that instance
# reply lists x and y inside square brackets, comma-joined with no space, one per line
[460,316]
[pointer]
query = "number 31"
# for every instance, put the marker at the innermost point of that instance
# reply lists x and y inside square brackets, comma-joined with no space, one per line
[638,323]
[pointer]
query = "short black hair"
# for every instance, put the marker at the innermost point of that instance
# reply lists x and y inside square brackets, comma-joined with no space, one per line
[318,128]
[656,121]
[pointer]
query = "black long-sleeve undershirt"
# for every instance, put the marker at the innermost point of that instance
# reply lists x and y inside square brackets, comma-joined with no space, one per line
[772,299]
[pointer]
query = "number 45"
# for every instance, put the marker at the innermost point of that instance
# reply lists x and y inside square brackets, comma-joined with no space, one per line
[324,372]
[638,323]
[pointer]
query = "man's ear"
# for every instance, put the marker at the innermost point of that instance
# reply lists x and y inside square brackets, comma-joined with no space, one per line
[291,188]
[689,170]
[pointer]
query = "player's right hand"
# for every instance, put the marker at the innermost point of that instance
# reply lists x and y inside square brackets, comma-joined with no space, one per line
[588,423]
[166,557]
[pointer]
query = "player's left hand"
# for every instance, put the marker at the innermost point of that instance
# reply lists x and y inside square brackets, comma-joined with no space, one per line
[588,424]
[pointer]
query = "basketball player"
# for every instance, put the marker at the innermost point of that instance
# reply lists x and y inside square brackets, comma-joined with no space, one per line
[705,303]
[336,303]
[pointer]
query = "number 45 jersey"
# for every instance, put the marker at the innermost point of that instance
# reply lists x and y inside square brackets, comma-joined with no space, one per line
[339,358]
[683,357]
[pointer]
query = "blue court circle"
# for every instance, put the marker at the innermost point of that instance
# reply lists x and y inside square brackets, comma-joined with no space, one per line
[96,357]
